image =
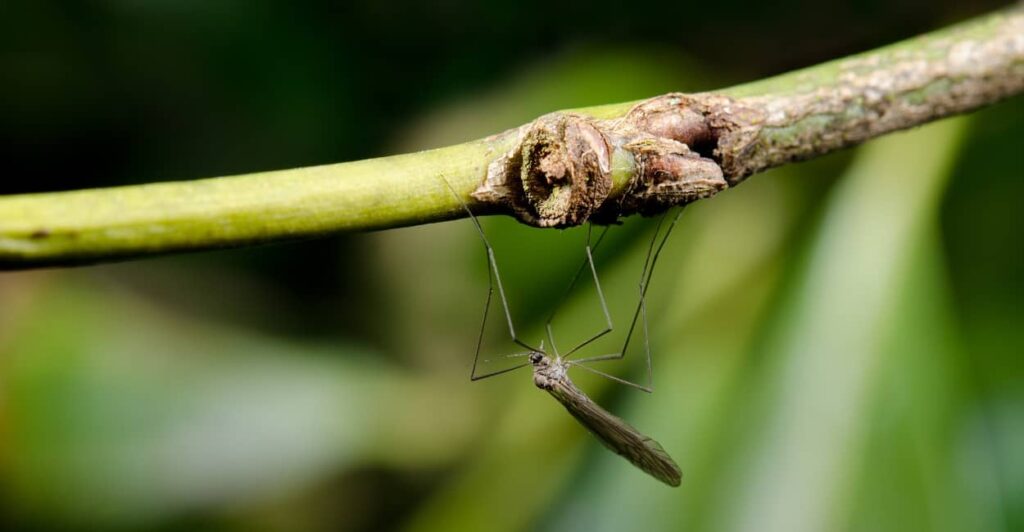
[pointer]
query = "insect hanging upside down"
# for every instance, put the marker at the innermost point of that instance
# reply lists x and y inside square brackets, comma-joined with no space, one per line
[617,435]
[550,372]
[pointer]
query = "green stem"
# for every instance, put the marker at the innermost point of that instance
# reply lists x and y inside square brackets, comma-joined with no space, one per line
[104,224]
[794,116]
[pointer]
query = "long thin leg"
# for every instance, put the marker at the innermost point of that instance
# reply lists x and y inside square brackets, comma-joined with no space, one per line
[506,370]
[493,277]
[575,277]
[620,380]
[588,261]
[653,252]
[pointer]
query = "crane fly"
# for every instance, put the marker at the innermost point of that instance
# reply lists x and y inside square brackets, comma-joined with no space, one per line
[550,370]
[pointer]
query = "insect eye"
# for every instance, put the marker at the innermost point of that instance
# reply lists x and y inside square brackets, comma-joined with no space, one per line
[535,357]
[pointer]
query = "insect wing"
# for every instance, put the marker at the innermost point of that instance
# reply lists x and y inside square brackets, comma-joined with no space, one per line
[617,435]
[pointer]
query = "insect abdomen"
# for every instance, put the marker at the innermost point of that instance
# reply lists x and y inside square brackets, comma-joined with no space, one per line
[616,434]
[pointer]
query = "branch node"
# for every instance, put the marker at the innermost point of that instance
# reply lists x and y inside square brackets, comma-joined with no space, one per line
[668,173]
[558,174]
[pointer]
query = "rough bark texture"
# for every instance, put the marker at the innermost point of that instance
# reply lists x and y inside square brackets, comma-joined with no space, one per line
[872,95]
[685,147]
[559,173]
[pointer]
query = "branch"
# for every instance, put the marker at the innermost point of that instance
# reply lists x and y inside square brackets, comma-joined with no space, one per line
[598,163]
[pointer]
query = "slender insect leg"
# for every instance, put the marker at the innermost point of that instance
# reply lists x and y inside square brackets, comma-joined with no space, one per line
[589,262]
[653,252]
[620,380]
[493,277]
[575,278]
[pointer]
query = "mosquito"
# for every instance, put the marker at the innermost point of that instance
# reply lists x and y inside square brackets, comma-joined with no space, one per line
[550,370]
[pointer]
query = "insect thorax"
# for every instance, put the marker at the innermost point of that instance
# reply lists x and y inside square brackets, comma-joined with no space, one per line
[546,372]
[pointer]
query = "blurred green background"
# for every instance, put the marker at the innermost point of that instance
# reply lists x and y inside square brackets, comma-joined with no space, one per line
[837,344]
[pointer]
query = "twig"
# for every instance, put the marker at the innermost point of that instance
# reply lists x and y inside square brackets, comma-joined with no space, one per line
[597,163]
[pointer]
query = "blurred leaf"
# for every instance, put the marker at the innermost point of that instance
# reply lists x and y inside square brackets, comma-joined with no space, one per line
[914,481]
[983,242]
[114,413]
[826,355]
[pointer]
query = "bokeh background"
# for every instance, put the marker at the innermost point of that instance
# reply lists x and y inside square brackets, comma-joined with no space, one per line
[837,344]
